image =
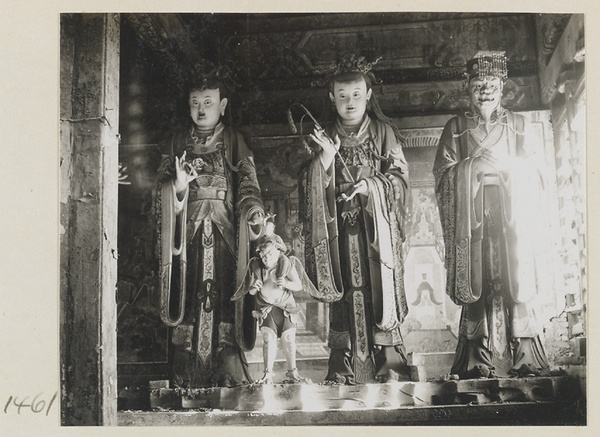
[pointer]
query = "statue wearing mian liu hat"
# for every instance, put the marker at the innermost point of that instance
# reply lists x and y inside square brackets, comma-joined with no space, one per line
[488,187]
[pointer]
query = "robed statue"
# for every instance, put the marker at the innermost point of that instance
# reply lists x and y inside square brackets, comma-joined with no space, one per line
[353,197]
[210,212]
[489,188]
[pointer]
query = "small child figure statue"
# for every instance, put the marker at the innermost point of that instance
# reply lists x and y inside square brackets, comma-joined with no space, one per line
[272,277]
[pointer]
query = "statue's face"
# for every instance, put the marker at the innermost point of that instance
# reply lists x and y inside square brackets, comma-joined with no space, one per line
[485,93]
[269,256]
[206,108]
[350,99]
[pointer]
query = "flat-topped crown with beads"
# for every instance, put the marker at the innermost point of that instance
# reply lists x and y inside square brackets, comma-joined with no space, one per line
[487,63]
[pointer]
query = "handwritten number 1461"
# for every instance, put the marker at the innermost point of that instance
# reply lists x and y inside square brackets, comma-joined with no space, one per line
[36,405]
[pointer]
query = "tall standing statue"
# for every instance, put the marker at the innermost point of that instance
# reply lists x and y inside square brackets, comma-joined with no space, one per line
[210,212]
[488,190]
[354,193]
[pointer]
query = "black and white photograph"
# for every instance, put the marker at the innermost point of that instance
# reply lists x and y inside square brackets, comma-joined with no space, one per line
[334,219]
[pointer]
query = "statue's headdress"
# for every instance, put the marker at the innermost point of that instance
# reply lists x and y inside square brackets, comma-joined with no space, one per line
[205,73]
[349,63]
[487,64]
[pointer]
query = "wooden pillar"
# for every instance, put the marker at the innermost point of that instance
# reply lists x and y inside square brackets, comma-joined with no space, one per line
[89,111]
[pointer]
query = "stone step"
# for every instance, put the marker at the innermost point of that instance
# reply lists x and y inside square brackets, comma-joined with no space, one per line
[560,412]
[317,397]
[428,366]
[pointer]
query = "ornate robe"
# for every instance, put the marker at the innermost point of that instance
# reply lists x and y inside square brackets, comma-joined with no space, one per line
[203,238]
[354,251]
[488,189]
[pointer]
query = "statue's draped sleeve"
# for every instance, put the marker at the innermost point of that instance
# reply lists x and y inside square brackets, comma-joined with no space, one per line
[386,210]
[171,213]
[452,172]
[459,192]
[247,203]
[317,191]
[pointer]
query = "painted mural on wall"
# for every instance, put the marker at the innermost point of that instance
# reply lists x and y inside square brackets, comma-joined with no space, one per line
[432,320]
[425,226]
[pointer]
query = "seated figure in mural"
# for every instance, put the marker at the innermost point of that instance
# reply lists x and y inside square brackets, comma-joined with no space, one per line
[353,195]
[488,189]
[210,213]
[272,278]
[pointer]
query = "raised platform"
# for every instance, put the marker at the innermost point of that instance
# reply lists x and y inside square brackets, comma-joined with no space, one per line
[513,414]
[542,400]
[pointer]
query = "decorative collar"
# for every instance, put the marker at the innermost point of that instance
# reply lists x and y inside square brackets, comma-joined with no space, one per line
[211,140]
[498,114]
[361,131]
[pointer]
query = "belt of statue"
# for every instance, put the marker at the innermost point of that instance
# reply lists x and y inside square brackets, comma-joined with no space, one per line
[491,179]
[207,193]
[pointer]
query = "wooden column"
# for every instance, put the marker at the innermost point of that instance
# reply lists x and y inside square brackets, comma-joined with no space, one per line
[89,111]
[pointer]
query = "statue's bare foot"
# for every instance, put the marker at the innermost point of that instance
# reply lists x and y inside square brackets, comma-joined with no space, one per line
[267,378]
[293,377]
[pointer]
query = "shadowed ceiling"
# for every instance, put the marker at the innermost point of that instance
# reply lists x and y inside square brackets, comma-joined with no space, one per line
[279,58]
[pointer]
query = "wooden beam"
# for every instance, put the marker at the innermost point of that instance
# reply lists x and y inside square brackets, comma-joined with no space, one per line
[167,36]
[89,159]
[566,53]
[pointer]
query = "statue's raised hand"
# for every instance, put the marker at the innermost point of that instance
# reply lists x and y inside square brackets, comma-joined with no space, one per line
[282,283]
[329,147]
[184,174]
[256,287]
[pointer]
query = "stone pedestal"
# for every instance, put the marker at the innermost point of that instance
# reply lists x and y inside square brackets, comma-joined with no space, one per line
[318,397]
[527,401]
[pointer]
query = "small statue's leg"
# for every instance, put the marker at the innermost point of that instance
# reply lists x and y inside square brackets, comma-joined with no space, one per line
[288,344]
[269,353]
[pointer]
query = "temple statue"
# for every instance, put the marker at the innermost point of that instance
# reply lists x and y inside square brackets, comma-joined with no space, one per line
[273,277]
[210,213]
[488,187]
[353,195]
